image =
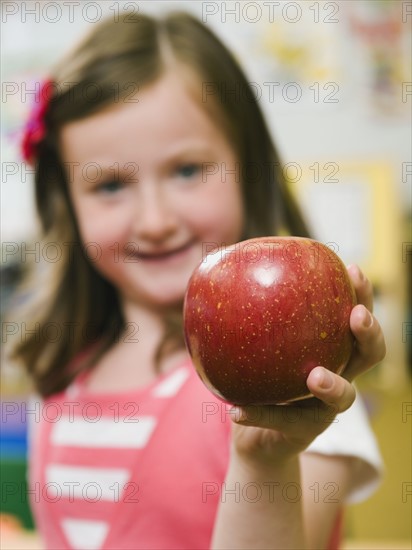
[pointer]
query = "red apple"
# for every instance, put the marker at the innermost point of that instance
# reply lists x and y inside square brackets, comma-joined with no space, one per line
[261,314]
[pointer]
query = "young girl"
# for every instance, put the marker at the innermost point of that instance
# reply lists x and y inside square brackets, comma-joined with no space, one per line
[131,451]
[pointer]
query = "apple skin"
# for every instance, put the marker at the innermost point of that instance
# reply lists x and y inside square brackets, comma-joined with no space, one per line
[259,315]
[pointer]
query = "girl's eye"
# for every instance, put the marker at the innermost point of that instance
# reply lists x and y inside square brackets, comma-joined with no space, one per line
[110,187]
[188,170]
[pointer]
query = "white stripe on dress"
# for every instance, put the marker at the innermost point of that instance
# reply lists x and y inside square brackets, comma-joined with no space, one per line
[88,484]
[172,384]
[106,432]
[85,534]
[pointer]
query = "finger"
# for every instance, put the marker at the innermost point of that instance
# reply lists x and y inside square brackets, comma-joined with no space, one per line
[370,347]
[331,389]
[298,422]
[362,286]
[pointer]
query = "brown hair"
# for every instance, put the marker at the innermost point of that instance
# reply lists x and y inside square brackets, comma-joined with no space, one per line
[135,51]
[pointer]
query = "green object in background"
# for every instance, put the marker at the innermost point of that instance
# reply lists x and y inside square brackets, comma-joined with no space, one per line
[14,498]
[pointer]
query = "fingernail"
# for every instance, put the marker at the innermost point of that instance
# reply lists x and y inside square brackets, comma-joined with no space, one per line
[356,271]
[238,414]
[326,380]
[368,320]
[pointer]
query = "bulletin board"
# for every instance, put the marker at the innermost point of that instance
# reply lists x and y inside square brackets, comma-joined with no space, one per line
[355,207]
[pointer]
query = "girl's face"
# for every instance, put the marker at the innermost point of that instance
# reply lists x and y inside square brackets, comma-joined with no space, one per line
[155,185]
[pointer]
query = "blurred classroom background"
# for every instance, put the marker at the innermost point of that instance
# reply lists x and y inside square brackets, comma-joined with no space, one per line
[334,80]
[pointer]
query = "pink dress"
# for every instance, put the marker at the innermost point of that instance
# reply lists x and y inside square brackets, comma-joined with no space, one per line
[143,469]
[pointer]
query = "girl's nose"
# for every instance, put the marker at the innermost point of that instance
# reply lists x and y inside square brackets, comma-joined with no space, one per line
[154,217]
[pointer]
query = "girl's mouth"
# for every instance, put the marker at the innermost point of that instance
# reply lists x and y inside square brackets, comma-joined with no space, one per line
[164,254]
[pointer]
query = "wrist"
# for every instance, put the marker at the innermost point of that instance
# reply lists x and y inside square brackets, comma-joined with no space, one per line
[261,465]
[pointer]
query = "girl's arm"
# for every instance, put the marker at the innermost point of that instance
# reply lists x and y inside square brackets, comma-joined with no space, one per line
[280,508]
[255,515]
[267,463]
[326,481]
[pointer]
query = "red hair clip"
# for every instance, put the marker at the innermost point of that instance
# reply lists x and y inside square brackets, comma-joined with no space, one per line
[35,128]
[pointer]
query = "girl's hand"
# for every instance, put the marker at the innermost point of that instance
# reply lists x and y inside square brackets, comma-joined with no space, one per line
[277,432]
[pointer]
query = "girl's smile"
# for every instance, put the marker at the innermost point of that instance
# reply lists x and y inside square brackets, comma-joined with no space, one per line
[140,190]
[166,255]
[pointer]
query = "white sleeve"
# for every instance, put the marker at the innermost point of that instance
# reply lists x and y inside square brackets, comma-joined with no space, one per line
[351,435]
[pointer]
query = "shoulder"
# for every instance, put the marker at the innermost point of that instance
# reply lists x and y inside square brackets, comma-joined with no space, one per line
[350,437]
